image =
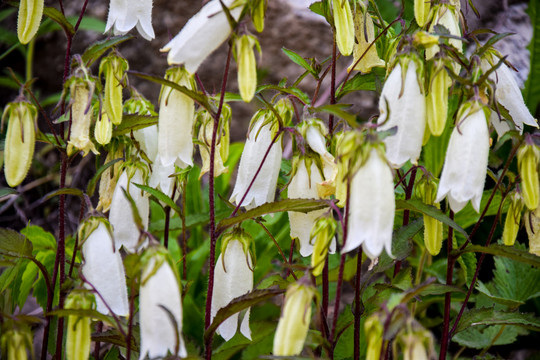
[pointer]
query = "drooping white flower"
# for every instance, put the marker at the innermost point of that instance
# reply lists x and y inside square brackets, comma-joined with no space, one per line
[508,94]
[159,304]
[176,115]
[402,104]
[126,233]
[372,207]
[102,267]
[124,15]
[233,278]
[465,164]
[201,35]
[264,187]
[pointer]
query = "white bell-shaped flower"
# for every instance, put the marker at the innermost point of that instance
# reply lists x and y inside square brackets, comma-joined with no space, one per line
[201,35]
[102,267]
[264,187]
[465,164]
[233,277]
[124,15]
[126,233]
[160,313]
[372,207]
[508,94]
[402,104]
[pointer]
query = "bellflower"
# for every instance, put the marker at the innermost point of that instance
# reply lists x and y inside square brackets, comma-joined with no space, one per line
[258,141]
[508,94]
[102,267]
[29,19]
[402,104]
[176,115]
[343,21]
[160,305]
[124,15]
[372,207]
[126,231]
[465,164]
[233,278]
[202,34]
[364,50]
[81,91]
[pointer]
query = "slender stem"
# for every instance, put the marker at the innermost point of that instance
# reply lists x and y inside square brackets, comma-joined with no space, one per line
[357,308]
[291,252]
[76,246]
[211,200]
[184,234]
[325,293]
[97,347]
[332,88]
[448,296]
[166,228]
[288,262]
[130,322]
[30,59]
[406,213]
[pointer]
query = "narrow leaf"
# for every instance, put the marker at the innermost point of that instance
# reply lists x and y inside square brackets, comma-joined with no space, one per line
[161,197]
[59,18]
[504,251]
[338,110]
[419,206]
[297,59]
[64,191]
[95,51]
[14,244]
[532,85]
[134,122]
[490,316]
[92,183]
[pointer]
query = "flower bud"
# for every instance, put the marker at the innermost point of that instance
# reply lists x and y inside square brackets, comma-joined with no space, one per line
[16,341]
[257,14]
[364,59]
[528,157]
[29,19]
[421,11]
[222,141]
[160,307]
[102,266]
[20,140]
[344,24]
[447,16]
[417,345]
[322,235]
[437,99]
[109,177]
[114,68]
[103,129]
[176,115]
[78,337]
[294,322]
[513,218]
[247,66]
[346,147]
[532,224]
[81,97]
[433,228]
[374,335]
[233,278]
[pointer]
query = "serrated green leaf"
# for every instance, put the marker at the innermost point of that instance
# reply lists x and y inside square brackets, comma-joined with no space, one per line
[504,251]
[300,205]
[95,51]
[159,195]
[362,82]
[468,216]
[297,59]
[239,304]
[284,90]
[489,316]
[40,239]
[13,243]
[481,337]
[466,261]
[93,182]
[419,206]
[27,281]
[134,122]
[532,85]
[338,110]
[59,18]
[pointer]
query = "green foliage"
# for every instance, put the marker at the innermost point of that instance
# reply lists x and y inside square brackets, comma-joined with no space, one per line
[532,86]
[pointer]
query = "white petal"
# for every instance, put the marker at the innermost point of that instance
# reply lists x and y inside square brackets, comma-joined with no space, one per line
[244,326]
[407,112]
[103,269]
[372,206]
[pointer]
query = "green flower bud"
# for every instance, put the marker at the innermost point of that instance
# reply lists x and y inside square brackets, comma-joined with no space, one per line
[81,97]
[421,11]
[15,343]
[374,335]
[20,140]
[416,345]
[109,177]
[78,337]
[257,14]
[433,229]
[247,66]
[437,99]
[103,129]
[344,24]
[528,157]
[222,141]
[294,322]
[114,68]
[323,233]
[29,19]
[513,218]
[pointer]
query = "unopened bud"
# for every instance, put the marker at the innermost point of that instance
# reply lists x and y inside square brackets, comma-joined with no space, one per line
[109,177]
[528,157]
[437,99]
[81,96]
[433,230]
[78,338]
[247,66]
[103,129]
[416,345]
[294,322]
[421,11]
[343,21]
[532,224]
[222,141]
[15,342]
[29,19]
[513,218]
[323,234]
[374,334]
[257,15]
[114,68]
[20,140]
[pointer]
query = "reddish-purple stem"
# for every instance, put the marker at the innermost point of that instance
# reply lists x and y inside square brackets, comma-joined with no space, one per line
[357,307]
[406,213]
[332,88]
[448,296]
